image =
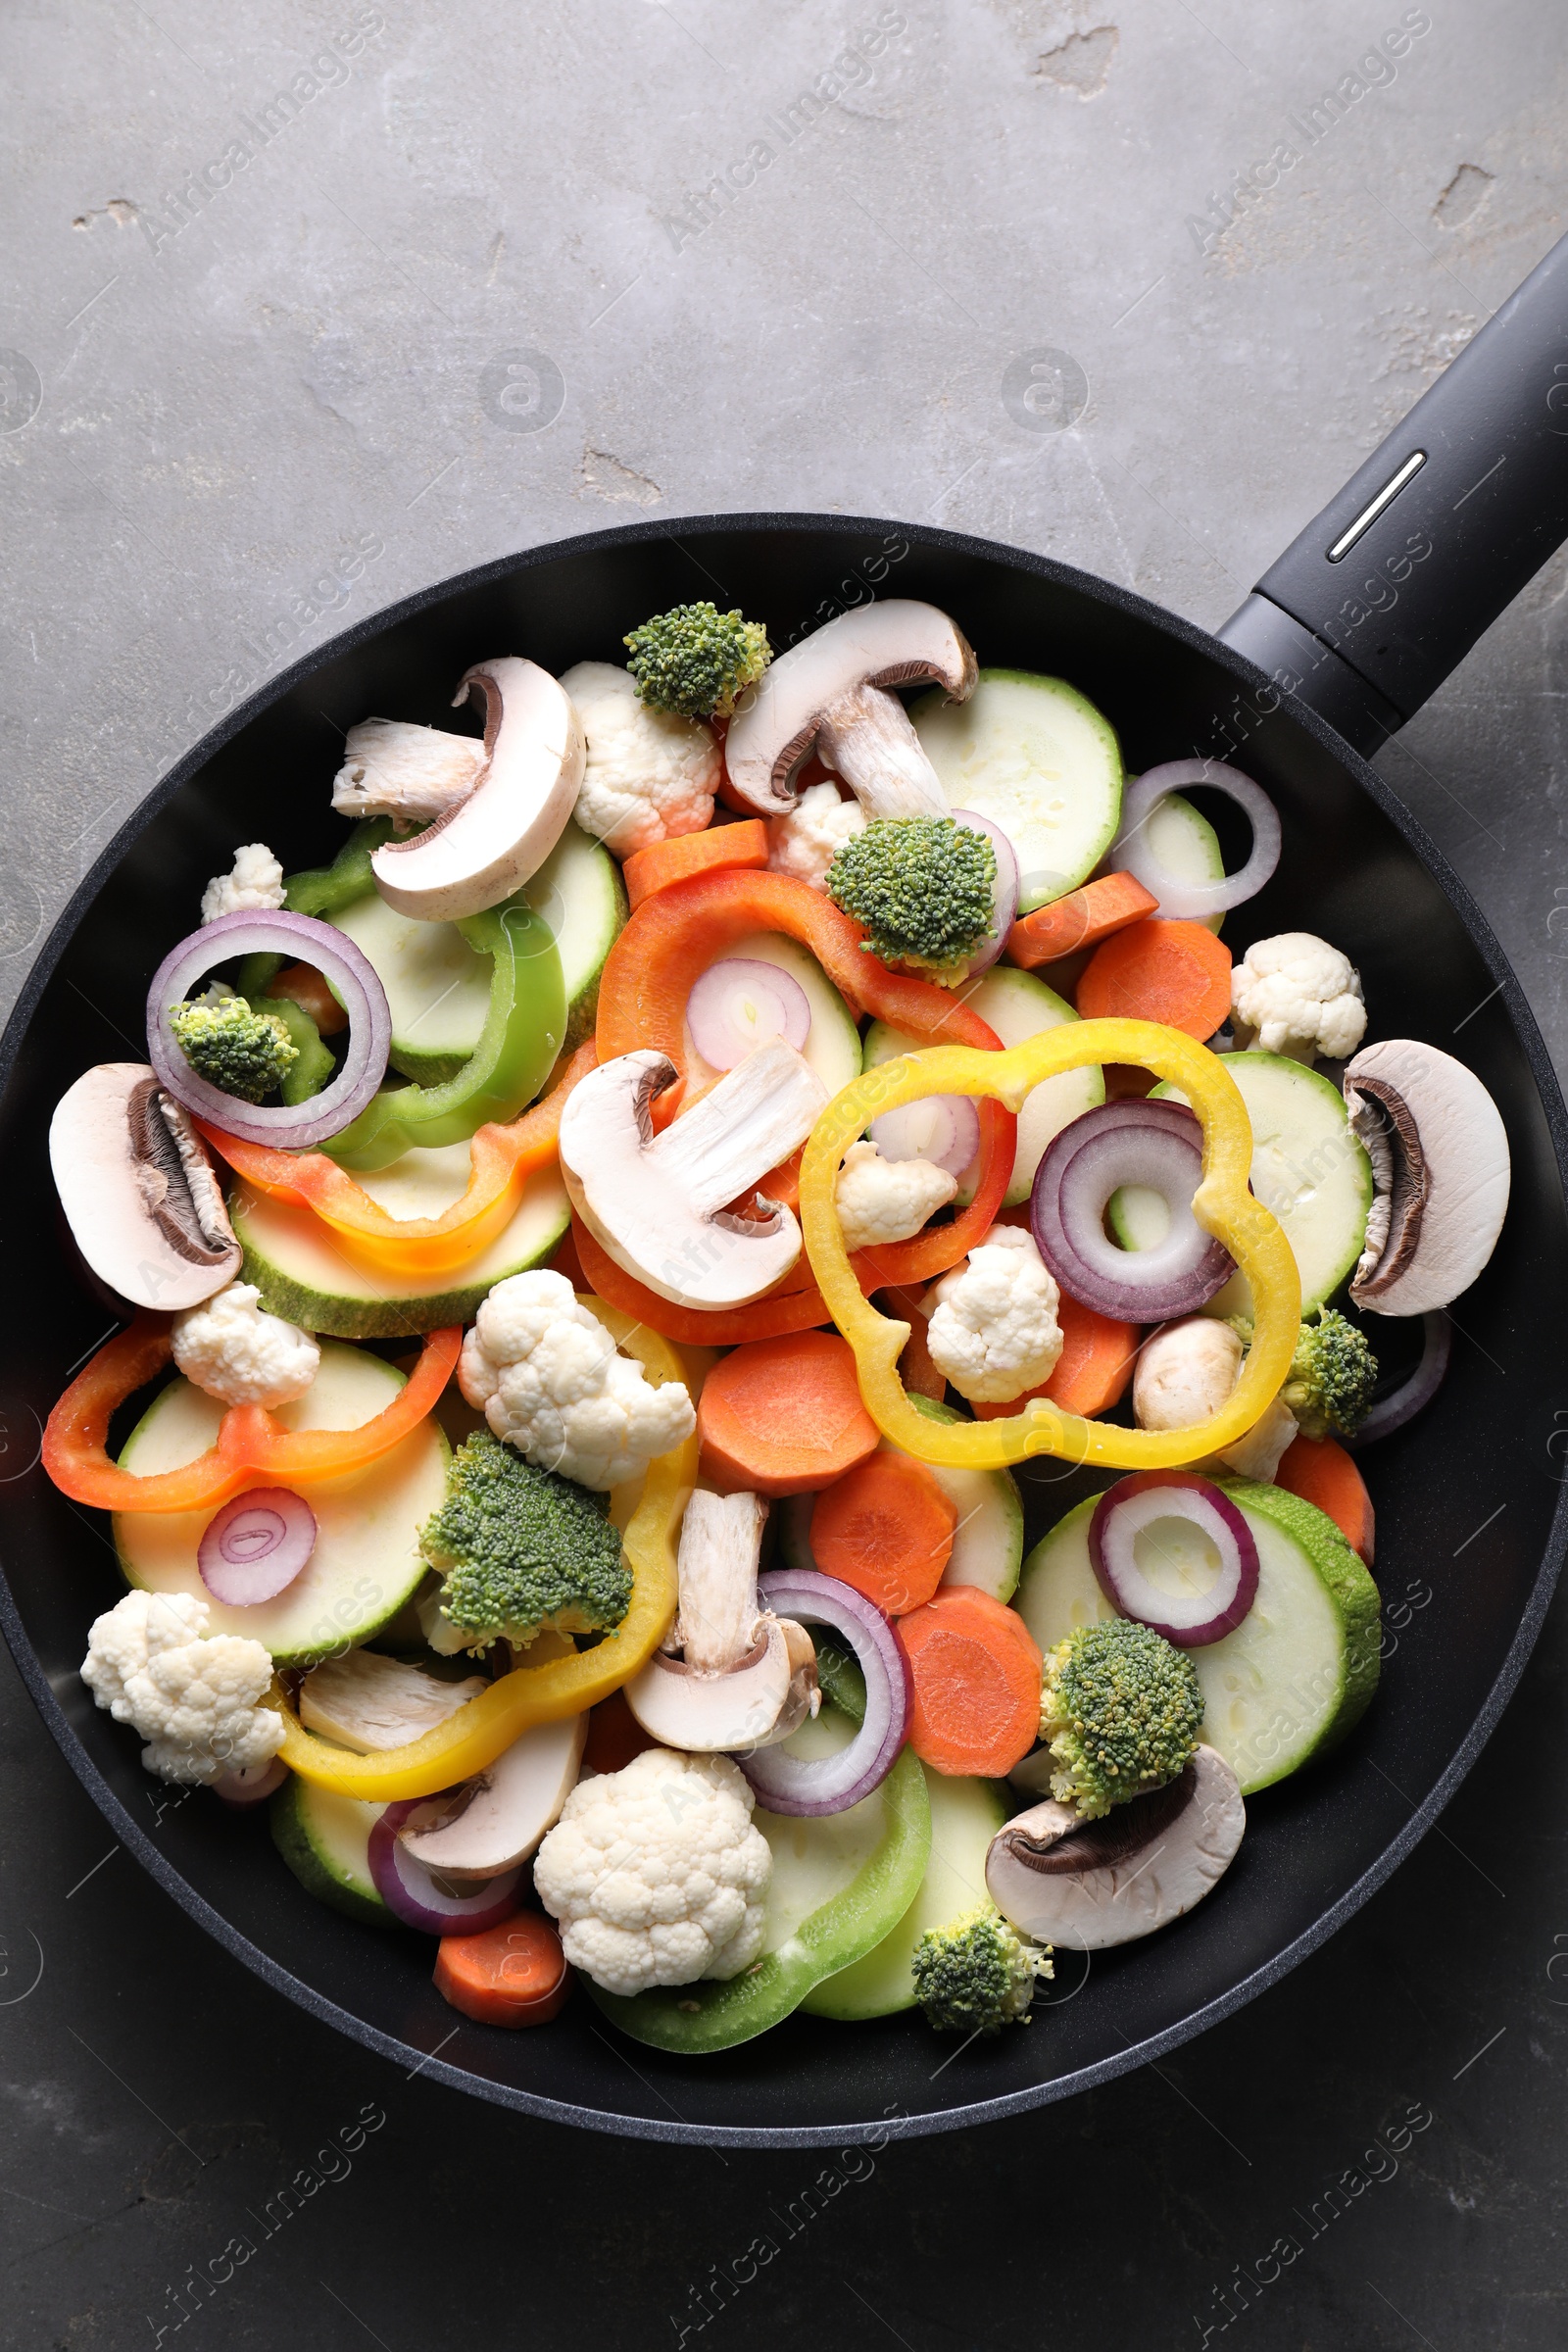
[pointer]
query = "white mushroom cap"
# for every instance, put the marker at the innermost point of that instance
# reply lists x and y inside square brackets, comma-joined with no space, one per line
[496,1820]
[1439,1157]
[138,1190]
[366,1700]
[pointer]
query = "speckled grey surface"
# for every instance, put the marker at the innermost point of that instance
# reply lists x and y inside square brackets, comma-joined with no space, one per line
[462,290]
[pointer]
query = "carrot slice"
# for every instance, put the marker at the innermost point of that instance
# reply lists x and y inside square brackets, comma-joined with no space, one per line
[1323,1473]
[1092,1370]
[886,1527]
[614,1736]
[1178,974]
[976,1674]
[1079,919]
[512,1975]
[667,861]
[784,1416]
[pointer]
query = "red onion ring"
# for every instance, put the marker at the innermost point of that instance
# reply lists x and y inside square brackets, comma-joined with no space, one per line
[295,1127]
[1134,854]
[943,1129]
[1004,890]
[1133,1506]
[418,1897]
[720,1037]
[1392,1412]
[786,1783]
[256,1546]
[250,1784]
[1158,1144]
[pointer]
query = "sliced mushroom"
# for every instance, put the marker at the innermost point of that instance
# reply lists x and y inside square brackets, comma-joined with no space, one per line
[833,691]
[659,1206]
[138,1190]
[495,1821]
[366,1700]
[1089,1884]
[744,1678]
[392,769]
[1440,1175]
[488,844]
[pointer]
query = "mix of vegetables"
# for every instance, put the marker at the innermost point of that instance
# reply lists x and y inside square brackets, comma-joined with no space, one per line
[593,1255]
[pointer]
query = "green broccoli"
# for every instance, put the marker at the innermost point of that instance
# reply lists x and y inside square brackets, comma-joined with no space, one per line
[922,886]
[244,1053]
[1331,1376]
[976,1975]
[696,659]
[522,1548]
[1121,1708]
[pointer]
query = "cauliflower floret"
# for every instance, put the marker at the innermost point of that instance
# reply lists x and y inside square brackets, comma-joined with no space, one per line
[650,774]
[545,1374]
[995,1331]
[195,1701]
[887,1200]
[805,843]
[658,1874]
[234,1349]
[255,887]
[1296,995]
[1186,1372]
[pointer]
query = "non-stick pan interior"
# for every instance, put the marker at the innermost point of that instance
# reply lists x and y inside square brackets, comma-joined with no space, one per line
[1465,1497]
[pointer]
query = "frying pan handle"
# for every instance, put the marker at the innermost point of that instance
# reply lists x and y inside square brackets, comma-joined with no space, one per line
[1378,599]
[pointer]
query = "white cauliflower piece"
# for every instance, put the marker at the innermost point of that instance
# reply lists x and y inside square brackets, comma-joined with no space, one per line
[805,843]
[1186,1372]
[651,774]
[234,1349]
[658,1874]
[887,1200]
[1296,995]
[545,1374]
[255,887]
[995,1331]
[195,1701]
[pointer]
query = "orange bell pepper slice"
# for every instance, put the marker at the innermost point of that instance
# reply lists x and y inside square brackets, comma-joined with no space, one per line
[253,1448]
[502,1159]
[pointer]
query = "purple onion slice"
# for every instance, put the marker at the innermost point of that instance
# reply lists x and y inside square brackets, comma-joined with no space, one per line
[250,1784]
[943,1129]
[1005,891]
[1132,852]
[419,1896]
[1392,1412]
[1138,1508]
[1158,1144]
[256,1546]
[810,1786]
[288,1127]
[741,1002]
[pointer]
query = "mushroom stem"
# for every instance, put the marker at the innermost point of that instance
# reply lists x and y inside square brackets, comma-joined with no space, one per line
[394,768]
[865,734]
[721,1546]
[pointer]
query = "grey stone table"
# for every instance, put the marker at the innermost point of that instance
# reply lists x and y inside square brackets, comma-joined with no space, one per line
[306,305]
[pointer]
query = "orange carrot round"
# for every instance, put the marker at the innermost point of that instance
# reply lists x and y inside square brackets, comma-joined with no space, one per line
[1092,1370]
[784,1416]
[667,861]
[512,1975]
[1324,1474]
[1155,970]
[976,1674]
[1080,920]
[887,1529]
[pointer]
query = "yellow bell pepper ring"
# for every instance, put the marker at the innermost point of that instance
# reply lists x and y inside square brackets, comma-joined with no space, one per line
[1222,1205]
[472,1739]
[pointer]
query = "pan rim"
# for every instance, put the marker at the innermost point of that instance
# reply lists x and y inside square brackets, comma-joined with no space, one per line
[1086,2078]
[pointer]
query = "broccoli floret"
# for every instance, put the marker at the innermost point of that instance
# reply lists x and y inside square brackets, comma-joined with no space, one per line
[522,1548]
[922,886]
[1331,1376]
[976,1975]
[696,661]
[245,1053]
[1121,1708]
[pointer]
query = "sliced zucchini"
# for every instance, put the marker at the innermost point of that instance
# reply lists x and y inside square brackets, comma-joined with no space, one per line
[1300,1669]
[1016,1007]
[366,1559]
[304,1271]
[1186,845]
[1308,1166]
[324,1838]
[1041,761]
[833,1042]
[965,1815]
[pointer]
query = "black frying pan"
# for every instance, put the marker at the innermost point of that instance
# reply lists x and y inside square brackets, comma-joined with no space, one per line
[1358,622]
